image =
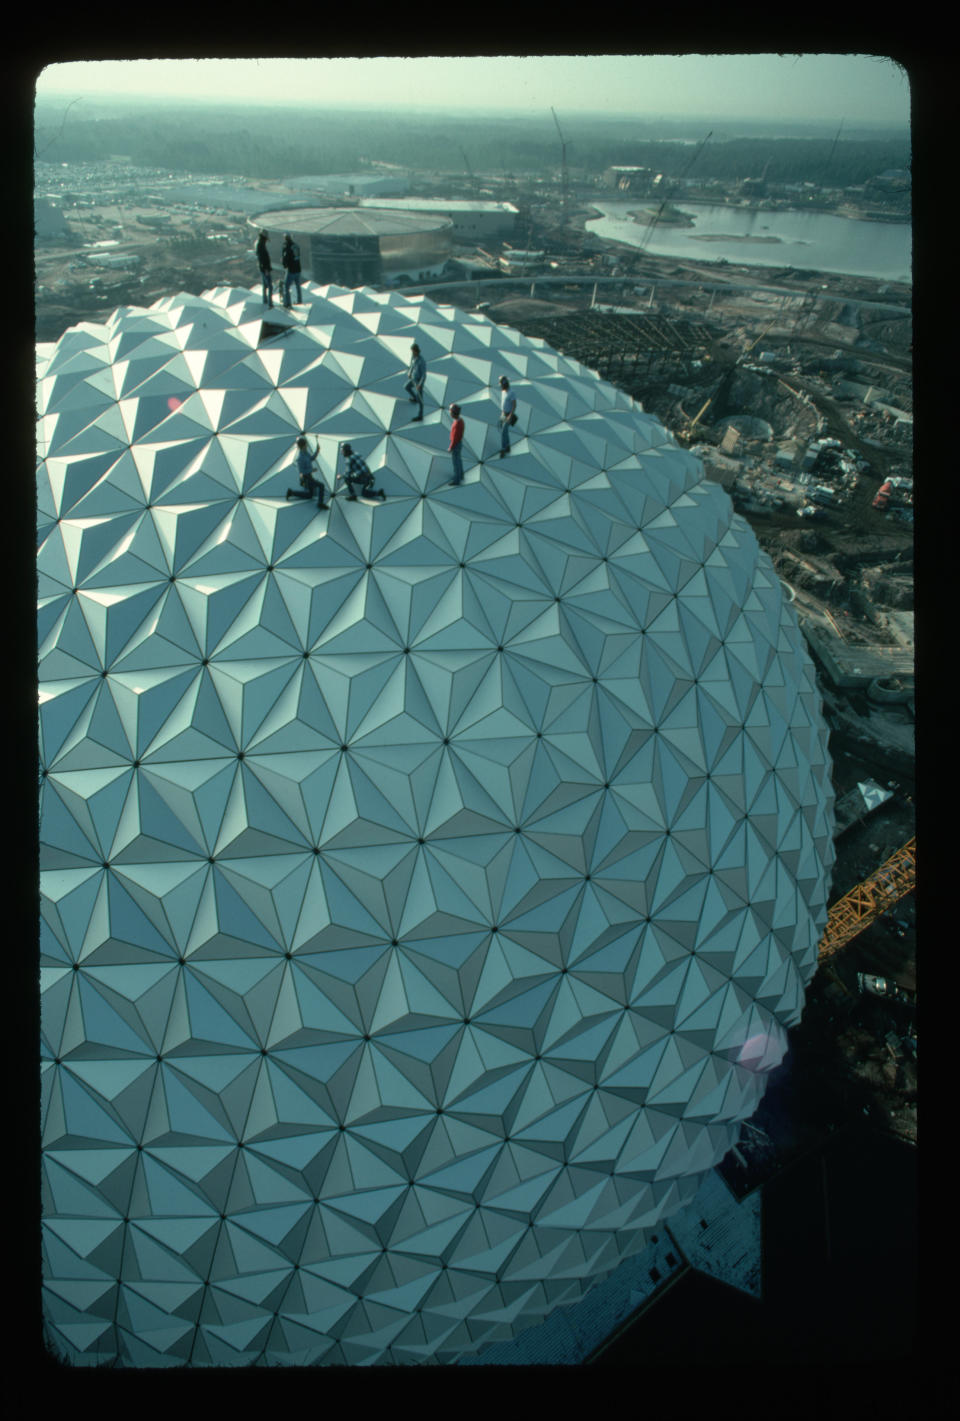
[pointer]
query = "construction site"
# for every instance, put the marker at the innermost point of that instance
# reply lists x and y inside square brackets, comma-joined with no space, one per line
[795,388]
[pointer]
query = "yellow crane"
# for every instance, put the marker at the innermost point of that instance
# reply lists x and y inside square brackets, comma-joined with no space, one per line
[700,412]
[868,900]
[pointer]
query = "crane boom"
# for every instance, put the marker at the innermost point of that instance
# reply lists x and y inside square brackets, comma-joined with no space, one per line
[564,179]
[758,339]
[868,900]
[700,412]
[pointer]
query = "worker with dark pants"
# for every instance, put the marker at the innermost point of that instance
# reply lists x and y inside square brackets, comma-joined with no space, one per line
[414,385]
[455,447]
[357,473]
[508,406]
[306,463]
[266,270]
[290,256]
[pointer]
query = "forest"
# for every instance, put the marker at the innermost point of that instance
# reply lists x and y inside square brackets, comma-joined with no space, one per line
[262,142]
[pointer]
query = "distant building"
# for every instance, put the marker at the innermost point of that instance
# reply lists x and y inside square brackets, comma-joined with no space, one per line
[352,184]
[900,417]
[48,219]
[730,440]
[473,220]
[472,268]
[115,260]
[628,179]
[517,263]
[891,180]
[859,390]
[353,247]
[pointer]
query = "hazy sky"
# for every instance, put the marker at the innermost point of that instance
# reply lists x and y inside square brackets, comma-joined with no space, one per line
[814,87]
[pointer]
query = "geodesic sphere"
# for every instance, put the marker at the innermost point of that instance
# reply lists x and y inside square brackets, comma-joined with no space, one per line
[427,884]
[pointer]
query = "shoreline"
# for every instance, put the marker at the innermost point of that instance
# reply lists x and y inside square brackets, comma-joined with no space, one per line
[708,268]
[787,277]
[733,237]
[846,213]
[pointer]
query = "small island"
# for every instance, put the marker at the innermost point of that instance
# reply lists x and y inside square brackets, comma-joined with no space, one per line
[731,237]
[664,216]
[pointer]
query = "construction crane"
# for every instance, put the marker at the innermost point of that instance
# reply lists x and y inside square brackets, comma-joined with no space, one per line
[564,176]
[660,210]
[473,181]
[857,909]
[832,151]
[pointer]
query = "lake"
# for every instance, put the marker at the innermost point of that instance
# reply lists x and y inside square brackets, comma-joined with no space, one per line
[818,241]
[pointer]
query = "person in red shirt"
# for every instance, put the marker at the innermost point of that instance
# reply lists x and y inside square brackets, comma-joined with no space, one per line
[456,440]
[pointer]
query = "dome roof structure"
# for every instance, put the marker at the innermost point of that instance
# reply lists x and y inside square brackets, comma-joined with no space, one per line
[427,886]
[349,221]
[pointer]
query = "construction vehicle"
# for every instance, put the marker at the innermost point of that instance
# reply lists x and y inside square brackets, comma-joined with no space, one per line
[883,495]
[884,987]
[868,900]
[895,490]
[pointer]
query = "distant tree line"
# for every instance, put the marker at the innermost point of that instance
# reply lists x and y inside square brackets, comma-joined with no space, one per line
[272,143]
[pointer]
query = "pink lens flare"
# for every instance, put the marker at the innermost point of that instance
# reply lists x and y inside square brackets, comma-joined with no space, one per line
[761,1052]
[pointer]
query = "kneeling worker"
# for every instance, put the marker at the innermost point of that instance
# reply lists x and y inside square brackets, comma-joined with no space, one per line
[358,473]
[306,463]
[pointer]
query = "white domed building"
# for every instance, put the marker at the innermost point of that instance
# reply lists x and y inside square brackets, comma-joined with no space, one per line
[355,247]
[427,886]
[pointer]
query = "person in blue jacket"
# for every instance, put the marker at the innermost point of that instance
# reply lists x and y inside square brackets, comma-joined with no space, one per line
[417,374]
[309,485]
[266,270]
[508,404]
[290,256]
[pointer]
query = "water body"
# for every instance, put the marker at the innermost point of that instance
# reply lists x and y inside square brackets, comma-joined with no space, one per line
[817,241]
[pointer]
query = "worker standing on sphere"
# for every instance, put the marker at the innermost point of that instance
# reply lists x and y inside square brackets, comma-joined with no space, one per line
[290,256]
[454,448]
[417,374]
[266,270]
[508,414]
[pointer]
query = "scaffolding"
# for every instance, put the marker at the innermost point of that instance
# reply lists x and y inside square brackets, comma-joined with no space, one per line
[875,895]
[621,347]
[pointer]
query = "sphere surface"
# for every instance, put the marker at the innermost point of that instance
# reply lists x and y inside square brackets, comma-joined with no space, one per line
[427,885]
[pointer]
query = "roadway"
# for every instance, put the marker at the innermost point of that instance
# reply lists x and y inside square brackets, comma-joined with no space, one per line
[723,287]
